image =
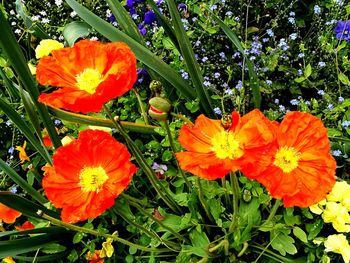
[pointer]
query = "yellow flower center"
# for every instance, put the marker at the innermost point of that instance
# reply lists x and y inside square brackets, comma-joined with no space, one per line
[89,80]
[287,159]
[92,179]
[225,145]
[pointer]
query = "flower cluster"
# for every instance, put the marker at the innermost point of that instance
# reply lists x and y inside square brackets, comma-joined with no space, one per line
[335,208]
[291,159]
[342,30]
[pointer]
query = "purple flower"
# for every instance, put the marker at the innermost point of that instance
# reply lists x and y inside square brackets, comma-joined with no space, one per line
[159,168]
[217,111]
[150,17]
[182,8]
[142,29]
[112,19]
[342,30]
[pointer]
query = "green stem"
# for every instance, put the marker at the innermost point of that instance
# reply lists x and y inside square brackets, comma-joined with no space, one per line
[180,116]
[144,212]
[271,254]
[143,112]
[235,190]
[151,234]
[227,199]
[273,211]
[224,243]
[160,189]
[75,228]
[172,145]
[203,201]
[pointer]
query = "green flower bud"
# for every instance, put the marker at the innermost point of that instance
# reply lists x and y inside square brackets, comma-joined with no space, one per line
[159,108]
[247,196]
[156,87]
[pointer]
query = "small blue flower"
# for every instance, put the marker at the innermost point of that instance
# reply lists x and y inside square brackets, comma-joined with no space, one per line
[150,17]
[342,30]
[345,124]
[142,29]
[294,102]
[206,83]
[321,92]
[291,20]
[237,19]
[213,7]
[321,64]
[300,72]
[277,101]
[292,13]
[293,36]
[340,99]
[317,10]
[282,108]
[216,75]
[239,85]
[268,82]
[270,32]
[337,153]
[11,150]
[265,40]
[182,8]
[217,111]
[229,13]
[330,106]
[229,92]
[57,122]
[184,75]
[204,59]
[13,189]
[159,168]
[301,55]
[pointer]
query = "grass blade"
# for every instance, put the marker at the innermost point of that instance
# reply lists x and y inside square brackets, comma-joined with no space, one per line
[10,46]
[24,128]
[253,78]
[190,60]
[22,183]
[142,53]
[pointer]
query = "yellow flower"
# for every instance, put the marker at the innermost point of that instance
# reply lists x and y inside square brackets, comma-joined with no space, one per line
[32,68]
[338,244]
[22,152]
[67,140]
[8,260]
[318,208]
[46,46]
[339,191]
[107,248]
[338,215]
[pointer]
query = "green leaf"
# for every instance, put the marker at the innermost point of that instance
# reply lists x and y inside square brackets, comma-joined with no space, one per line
[25,129]
[84,119]
[299,233]
[53,248]
[75,30]
[142,53]
[200,243]
[51,229]
[78,237]
[283,243]
[314,229]
[300,79]
[332,132]
[9,45]
[49,258]
[9,85]
[124,20]
[23,205]
[167,155]
[344,79]
[24,245]
[37,29]
[253,78]
[307,71]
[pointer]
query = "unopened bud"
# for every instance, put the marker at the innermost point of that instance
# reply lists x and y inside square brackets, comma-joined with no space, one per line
[247,196]
[159,108]
[156,87]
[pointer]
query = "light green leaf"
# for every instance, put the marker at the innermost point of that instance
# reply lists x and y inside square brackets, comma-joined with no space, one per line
[299,233]
[300,79]
[307,71]
[283,243]
[75,30]
[344,79]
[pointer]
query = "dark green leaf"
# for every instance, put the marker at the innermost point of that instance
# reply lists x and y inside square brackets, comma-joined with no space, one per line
[75,30]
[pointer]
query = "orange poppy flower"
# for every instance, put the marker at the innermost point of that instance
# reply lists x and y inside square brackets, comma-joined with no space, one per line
[94,258]
[298,168]
[89,73]
[7,214]
[26,226]
[213,151]
[87,175]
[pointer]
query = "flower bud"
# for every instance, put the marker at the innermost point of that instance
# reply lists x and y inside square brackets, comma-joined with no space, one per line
[247,196]
[159,108]
[156,87]
[226,121]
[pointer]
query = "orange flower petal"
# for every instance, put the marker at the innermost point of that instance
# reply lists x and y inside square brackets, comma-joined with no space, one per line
[25,226]
[82,194]
[114,63]
[7,214]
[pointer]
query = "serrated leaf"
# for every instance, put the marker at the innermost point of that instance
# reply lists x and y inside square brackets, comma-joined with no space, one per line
[299,233]
[75,30]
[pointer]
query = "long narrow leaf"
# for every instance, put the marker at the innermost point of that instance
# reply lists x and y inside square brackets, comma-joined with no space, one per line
[83,119]
[10,46]
[51,229]
[48,258]
[24,206]
[253,78]
[24,128]
[190,60]
[24,245]
[124,20]
[142,53]
[9,85]
[21,182]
